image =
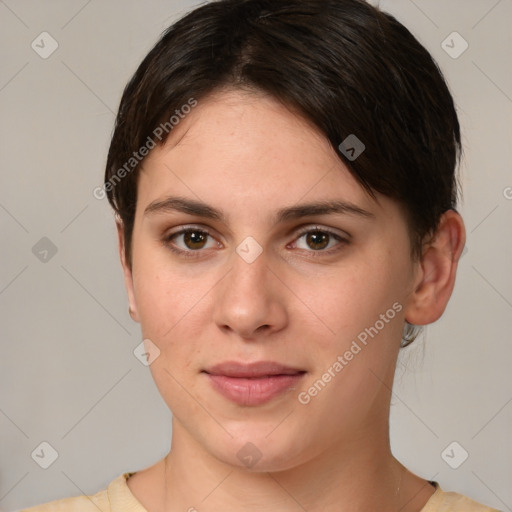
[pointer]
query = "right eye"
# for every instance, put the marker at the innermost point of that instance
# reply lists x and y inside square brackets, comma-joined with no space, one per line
[190,240]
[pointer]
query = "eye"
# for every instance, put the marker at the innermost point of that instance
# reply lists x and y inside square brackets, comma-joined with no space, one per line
[319,240]
[189,240]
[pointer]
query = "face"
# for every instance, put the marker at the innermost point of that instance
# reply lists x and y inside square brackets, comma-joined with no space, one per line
[270,285]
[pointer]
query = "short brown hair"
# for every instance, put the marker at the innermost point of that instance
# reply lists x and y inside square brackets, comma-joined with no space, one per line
[344,65]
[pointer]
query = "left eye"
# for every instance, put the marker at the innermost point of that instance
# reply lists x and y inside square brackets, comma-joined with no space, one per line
[318,240]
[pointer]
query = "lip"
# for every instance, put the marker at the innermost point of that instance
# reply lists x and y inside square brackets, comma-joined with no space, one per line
[253,383]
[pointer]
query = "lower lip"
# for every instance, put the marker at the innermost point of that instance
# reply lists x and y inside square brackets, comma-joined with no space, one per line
[255,391]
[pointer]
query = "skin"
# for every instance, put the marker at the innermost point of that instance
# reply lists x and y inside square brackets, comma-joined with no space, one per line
[248,156]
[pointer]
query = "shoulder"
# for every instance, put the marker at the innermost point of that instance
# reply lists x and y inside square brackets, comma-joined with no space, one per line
[447,501]
[75,504]
[115,498]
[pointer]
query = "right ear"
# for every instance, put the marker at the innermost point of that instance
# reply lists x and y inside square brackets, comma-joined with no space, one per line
[127,271]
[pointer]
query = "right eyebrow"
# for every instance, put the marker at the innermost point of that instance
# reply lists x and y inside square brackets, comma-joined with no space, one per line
[189,206]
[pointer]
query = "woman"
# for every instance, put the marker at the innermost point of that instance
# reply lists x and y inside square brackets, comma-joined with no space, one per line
[283,174]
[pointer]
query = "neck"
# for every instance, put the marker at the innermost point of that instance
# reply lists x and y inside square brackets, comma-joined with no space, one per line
[360,476]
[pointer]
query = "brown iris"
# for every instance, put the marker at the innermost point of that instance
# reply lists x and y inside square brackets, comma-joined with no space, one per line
[195,239]
[317,240]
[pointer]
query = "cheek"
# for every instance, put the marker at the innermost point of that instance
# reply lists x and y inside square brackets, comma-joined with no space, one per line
[168,295]
[349,301]
[363,309]
[171,305]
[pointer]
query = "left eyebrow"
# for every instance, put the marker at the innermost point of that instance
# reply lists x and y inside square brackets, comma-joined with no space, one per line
[192,207]
[321,208]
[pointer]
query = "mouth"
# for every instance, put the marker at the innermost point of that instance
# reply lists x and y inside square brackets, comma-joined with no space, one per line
[255,383]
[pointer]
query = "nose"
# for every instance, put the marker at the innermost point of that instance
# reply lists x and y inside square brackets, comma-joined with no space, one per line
[250,301]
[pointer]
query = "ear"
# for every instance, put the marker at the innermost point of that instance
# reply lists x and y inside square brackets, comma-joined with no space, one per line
[437,270]
[127,271]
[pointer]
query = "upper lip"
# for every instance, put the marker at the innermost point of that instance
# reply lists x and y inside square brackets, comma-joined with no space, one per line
[235,369]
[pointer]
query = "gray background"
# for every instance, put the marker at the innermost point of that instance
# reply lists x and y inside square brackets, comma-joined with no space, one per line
[68,373]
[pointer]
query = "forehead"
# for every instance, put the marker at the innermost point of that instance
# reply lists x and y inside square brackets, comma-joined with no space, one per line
[249,126]
[247,150]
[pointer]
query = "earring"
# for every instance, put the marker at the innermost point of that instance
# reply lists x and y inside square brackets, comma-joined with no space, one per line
[410,334]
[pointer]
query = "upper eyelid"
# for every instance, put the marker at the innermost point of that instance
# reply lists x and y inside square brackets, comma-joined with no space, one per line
[298,230]
[316,227]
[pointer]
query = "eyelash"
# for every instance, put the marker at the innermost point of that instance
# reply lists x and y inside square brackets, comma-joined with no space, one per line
[197,253]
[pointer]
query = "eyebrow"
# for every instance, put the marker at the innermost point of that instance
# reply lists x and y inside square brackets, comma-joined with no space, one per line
[197,208]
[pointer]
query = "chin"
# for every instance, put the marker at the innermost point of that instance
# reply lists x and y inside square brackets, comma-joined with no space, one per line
[256,452]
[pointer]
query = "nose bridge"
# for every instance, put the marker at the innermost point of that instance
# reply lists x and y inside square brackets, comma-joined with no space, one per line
[248,281]
[248,299]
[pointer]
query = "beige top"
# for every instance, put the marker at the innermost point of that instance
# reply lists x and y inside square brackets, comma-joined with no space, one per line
[117,497]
